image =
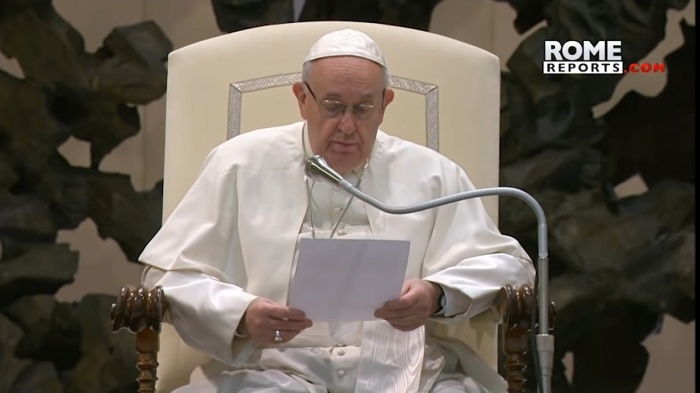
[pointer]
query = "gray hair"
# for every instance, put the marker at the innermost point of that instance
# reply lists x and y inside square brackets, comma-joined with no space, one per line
[306,72]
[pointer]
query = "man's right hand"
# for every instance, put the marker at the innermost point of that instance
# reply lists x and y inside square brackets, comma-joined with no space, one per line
[263,317]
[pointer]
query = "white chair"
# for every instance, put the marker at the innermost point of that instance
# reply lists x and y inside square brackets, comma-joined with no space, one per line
[447,97]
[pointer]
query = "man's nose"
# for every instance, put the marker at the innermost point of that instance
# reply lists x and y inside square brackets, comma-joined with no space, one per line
[347,121]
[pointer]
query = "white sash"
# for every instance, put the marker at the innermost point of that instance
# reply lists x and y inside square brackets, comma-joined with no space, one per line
[400,355]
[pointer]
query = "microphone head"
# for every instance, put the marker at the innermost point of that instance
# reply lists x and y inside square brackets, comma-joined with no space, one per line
[317,167]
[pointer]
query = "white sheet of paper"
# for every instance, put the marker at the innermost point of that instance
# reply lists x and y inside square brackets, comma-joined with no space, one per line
[346,280]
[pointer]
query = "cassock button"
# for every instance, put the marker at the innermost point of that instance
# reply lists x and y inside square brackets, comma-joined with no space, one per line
[341,353]
[341,372]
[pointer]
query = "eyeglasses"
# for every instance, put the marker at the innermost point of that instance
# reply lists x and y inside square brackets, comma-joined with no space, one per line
[334,109]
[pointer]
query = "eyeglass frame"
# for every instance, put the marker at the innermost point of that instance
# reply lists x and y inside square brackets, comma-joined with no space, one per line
[342,108]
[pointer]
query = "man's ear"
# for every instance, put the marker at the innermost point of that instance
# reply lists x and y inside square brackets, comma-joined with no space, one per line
[388,96]
[300,94]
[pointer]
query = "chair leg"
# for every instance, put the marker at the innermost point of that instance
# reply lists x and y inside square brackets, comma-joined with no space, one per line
[515,330]
[147,346]
[141,312]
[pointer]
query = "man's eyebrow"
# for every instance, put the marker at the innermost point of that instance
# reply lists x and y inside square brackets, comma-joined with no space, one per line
[337,97]
[333,96]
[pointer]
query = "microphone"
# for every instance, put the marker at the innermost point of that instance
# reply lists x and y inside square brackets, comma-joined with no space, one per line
[317,167]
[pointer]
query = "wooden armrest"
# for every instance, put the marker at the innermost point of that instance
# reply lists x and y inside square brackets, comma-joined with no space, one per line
[141,311]
[517,312]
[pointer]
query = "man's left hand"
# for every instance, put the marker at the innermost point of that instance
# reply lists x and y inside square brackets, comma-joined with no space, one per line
[418,301]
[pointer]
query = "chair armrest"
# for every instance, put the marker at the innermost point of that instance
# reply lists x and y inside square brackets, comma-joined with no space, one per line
[141,312]
[517,307]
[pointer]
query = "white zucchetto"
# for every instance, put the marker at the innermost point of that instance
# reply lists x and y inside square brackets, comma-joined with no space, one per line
[346,42]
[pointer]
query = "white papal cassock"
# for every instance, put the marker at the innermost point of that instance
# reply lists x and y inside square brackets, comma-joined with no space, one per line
[234,237]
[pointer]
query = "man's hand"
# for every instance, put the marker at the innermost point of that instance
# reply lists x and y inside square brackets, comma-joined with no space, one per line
[264,316]
[418,301]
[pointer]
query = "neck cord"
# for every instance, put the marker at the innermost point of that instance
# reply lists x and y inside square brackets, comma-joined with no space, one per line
[309,189]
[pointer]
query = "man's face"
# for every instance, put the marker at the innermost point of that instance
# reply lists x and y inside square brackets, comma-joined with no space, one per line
[343,101]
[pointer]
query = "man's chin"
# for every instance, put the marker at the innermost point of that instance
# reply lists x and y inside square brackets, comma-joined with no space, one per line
[343,164]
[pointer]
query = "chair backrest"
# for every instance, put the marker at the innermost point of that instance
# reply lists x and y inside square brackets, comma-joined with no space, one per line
[447,97]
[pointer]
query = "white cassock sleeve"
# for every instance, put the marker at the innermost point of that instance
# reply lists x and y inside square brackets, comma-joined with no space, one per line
[198,308]
[195,249]
[469,257]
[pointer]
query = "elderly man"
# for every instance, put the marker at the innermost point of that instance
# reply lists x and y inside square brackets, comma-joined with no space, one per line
[226,254]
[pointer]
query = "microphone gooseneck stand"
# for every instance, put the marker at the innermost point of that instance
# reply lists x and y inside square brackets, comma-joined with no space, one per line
[316,166]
